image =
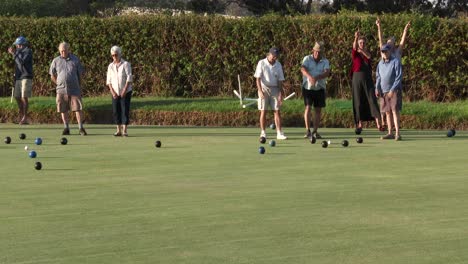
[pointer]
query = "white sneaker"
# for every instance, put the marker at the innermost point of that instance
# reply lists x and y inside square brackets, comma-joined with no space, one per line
[263,134]
[281,136]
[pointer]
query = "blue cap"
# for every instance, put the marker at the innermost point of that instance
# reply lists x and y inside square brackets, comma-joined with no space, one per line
[20,41]
[386,47]
[274,51]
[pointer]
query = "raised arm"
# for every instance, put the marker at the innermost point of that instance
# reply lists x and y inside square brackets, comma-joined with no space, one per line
[379,32]
[403,36]
[355,43]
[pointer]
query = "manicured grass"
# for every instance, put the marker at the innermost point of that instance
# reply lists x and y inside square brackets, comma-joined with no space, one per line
[207,196]
[456,110]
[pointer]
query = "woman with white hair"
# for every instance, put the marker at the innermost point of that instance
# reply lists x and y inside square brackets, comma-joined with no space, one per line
[119,81]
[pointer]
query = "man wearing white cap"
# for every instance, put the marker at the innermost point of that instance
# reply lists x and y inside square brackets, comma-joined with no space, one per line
[270,77]
[315,69]
[23,57]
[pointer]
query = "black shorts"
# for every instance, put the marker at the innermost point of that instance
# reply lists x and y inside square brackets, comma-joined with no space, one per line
[315,98]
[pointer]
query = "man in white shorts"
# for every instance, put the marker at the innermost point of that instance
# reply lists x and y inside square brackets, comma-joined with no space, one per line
[270,77]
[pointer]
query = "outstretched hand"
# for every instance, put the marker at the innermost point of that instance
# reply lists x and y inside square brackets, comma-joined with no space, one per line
[357,33]
[408,25]
[377,22]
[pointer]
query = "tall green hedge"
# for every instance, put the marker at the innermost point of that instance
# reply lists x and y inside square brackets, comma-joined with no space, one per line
[198,56]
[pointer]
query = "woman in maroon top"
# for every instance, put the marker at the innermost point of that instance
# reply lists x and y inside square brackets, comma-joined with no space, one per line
[365,107]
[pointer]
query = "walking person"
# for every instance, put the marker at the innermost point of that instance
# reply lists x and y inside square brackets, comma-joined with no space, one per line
[119,81]
[315,69]
[269,79]
[365,106]
[388,88]
[23,56]
[66,72]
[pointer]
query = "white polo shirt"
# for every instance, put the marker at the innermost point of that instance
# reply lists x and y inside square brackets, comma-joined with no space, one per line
[269,74]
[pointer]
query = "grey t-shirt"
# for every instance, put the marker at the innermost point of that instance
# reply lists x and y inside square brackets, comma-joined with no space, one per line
[68,72]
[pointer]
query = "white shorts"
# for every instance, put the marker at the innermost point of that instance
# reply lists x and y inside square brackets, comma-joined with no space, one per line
[268,100]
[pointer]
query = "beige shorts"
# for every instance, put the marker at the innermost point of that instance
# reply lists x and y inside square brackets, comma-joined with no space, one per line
[67,102]
[391,104]
[268,100]
[23,88]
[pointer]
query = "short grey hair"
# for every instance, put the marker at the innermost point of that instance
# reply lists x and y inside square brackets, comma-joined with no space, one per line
[65,45]
[116,50]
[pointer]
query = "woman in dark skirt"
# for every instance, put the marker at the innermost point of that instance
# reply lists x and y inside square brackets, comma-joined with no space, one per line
[365,107]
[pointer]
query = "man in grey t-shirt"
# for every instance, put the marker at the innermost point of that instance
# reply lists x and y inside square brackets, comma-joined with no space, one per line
[66,71]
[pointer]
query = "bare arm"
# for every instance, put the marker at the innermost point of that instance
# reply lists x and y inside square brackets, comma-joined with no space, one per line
[53,78]
[323,75]
[259,88]
[379,32]
[280,87]
[365,53]
[403,37]
[355,43]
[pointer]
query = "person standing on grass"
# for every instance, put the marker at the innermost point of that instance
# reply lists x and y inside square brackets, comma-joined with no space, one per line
[388,88]
[269,79]
[396,52]
[365,106]
[23,57]
[119,81]
[315,69]
[66,72]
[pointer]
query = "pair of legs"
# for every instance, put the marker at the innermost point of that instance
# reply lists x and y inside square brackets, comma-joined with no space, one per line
[316,122]
[79,119]
[22,92]
[272,102]
[391,106]
[65,103]
[277,117]
[383,121]
[393,118]
[121,113]
[23,104]
[317,100]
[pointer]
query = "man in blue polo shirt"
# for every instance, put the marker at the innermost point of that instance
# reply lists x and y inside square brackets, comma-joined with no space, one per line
[315,69]
[388,89]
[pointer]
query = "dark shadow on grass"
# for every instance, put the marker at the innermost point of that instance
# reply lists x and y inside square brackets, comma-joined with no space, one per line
[167,102]
[57,169]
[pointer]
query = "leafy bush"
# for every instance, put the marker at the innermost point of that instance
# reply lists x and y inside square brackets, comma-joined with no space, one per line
[194,56]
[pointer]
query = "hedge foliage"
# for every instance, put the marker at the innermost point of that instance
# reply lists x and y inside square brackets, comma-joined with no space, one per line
[197,56]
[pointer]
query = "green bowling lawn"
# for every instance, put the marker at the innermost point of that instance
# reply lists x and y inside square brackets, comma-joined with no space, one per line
[208,196]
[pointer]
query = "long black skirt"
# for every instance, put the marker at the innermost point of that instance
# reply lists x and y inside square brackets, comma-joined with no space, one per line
[365,106]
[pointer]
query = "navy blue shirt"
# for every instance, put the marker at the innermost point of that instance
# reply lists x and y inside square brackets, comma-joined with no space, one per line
[23,63]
